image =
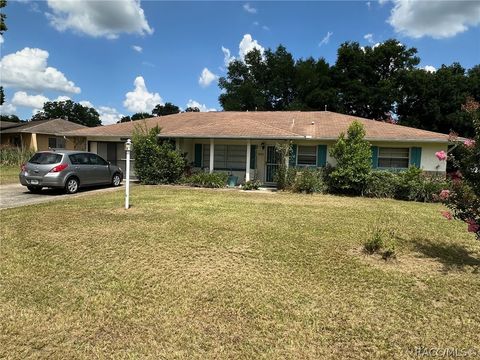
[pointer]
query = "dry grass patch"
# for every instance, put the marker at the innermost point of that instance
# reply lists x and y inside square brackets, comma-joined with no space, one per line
[224,274]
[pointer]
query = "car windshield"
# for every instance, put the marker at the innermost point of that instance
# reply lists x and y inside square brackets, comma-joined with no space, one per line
[46,158]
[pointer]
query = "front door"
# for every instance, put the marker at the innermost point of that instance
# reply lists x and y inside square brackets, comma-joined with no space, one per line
[272,161]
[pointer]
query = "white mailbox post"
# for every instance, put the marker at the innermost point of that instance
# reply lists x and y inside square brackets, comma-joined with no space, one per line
[128,148]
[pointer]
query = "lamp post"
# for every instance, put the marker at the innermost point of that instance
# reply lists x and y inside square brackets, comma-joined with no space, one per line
[128,148]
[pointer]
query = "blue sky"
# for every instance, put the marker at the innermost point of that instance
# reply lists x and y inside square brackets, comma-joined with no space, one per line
[84,50]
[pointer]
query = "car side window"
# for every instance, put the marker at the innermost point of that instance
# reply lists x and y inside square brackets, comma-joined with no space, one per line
[79,159]
[73,159]
[96,160]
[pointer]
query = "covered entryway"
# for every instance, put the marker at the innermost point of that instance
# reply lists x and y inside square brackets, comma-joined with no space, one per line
[271,164]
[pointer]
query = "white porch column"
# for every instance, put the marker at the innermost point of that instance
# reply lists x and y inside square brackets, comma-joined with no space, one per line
[247,167]
[212,154]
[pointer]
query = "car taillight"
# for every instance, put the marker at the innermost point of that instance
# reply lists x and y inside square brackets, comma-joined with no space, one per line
[23,167]
[59,168]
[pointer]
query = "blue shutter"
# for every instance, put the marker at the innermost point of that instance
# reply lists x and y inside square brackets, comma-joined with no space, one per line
[253,156]
[321,155]
[374,157]
[198,155]
[292,161]
[416,156]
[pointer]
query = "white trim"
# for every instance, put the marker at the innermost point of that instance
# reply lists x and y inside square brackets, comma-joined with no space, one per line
[247,166]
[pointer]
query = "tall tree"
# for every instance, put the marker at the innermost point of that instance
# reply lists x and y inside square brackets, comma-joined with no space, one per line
[69,110]
[134,117]
[192,109]
[10,118]
[167,109]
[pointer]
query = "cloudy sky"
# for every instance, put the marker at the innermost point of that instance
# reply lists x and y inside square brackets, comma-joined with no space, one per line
[127,56]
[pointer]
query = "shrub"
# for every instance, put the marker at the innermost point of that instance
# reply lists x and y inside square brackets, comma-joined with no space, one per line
[353,156]
[410,184]
[382,239]
[251,185]
[156,162]
[381,184]
[308,181]
[390,252]
[13,156]
[208,180]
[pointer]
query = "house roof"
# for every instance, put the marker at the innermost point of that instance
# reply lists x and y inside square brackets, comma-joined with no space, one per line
[322,125]
[9,124]
[50,127]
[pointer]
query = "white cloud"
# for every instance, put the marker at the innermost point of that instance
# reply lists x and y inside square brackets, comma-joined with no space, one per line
[137,48]
[382,2]
[206,78]
[21,98]
[202,107]
[248,8]
[1,39]
[7,109]
[27,69]
[99,18]
[62,98]
[369,4]
[369,38]
[247,44]
[265,27]
[430,68]
[140,99]
[326,39]
[435,18]
[86,103]
[109,115]
[227,56]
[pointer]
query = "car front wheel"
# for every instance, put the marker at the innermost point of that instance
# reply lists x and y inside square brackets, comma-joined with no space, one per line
[71,187]
[116,180]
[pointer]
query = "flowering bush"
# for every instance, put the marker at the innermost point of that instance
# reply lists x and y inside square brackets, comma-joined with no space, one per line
[463,199]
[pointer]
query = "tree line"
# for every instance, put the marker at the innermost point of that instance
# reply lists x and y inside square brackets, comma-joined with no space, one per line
[378,82]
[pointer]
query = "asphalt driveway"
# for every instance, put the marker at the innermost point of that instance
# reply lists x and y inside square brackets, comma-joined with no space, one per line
[16,195]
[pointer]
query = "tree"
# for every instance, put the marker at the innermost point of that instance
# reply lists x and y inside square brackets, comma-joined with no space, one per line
[167,109]
[464,197]
[10,118]
[354,163]
[192,109]
[2,96]
[69,110]
[134,117]
[156,162]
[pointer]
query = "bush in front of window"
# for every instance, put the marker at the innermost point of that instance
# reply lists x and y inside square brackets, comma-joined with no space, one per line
[381,184]
[14,156]
[251,185]
[309,181]
[354,163]
[207,180]
[156,163]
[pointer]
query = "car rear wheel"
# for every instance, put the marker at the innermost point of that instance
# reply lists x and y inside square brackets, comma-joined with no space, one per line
[34,189]
[71,186]
[116,179]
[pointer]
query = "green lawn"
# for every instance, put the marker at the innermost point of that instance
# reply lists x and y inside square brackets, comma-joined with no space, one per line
[9,174]
[188,273]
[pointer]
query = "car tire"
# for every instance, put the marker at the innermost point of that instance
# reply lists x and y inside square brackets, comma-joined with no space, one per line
[34,189]
[116,179]
[71,185]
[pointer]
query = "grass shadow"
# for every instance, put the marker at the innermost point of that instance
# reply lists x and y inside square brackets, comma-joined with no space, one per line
[452,256]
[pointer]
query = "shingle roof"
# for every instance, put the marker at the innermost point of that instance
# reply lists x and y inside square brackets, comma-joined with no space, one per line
[50,127]
[264,125]
[9,124]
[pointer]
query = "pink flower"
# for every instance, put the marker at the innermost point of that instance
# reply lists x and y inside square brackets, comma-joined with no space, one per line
[469,143]
[447,215]
[444,194]
[441,155]
[473,226]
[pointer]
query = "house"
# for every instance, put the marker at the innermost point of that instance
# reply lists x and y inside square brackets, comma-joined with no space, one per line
[40,135]
[244,142]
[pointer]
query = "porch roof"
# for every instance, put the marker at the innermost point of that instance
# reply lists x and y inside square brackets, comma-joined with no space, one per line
[315,125]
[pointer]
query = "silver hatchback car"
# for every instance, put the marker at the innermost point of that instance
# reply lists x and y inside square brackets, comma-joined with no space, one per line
[68,170]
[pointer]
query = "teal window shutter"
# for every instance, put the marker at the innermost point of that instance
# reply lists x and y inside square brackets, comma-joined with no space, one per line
[198,155]
[321,155]
[253,156]
[416,156]
[374,157]
[292,161]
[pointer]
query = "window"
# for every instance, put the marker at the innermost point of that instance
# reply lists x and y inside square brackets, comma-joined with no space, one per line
[45,158]
[307,156]
[79,159]
[56,143]
[226,157]
[393,158]
[96,160]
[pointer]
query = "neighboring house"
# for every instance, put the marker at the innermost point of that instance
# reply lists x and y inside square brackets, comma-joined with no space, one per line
[244,142]
[40,135]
